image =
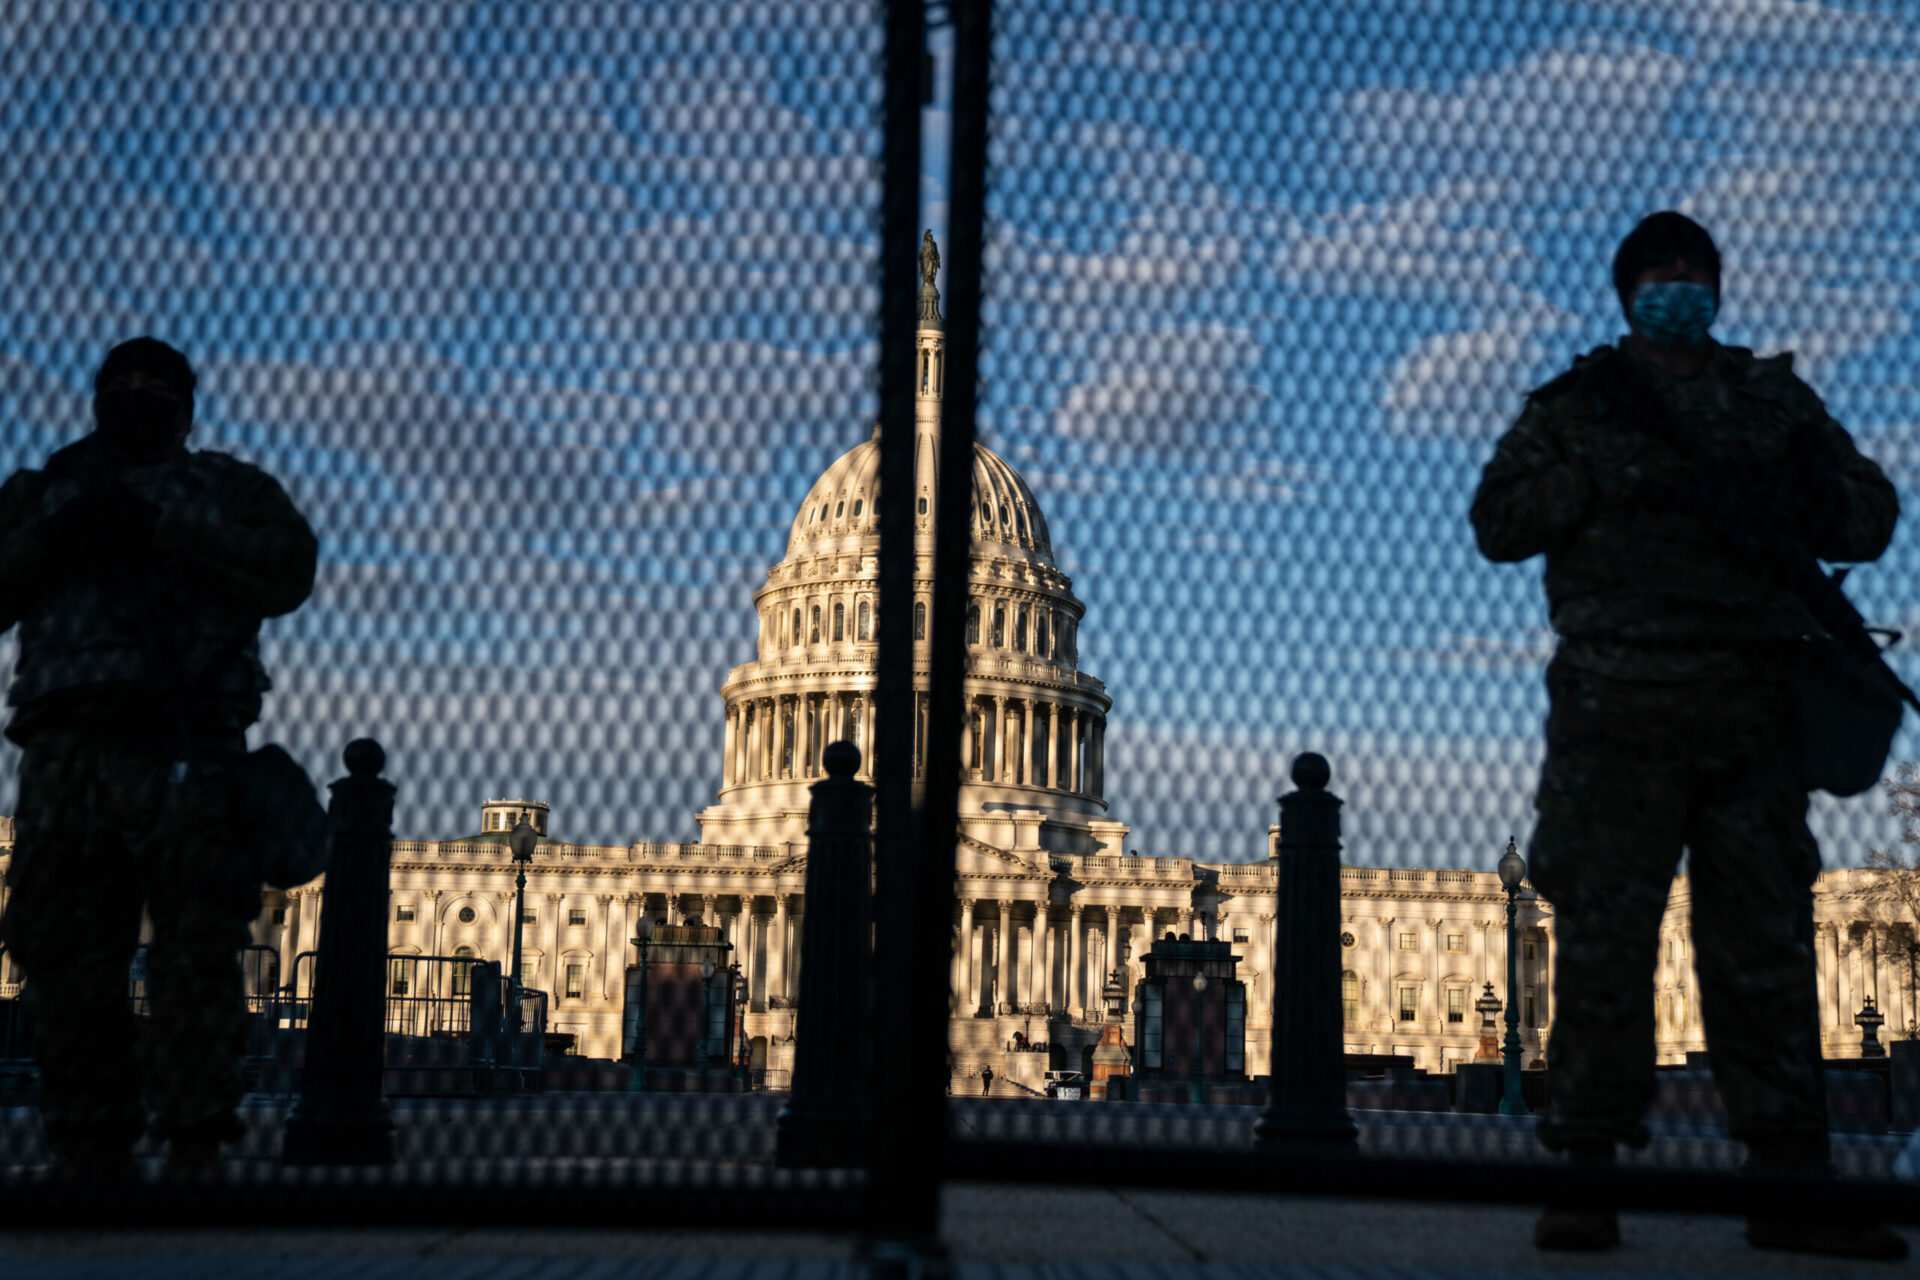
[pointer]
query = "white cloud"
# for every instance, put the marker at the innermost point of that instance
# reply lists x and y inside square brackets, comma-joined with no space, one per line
[1468,384]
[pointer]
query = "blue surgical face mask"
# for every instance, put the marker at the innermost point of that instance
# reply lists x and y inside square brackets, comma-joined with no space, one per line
[1674,312]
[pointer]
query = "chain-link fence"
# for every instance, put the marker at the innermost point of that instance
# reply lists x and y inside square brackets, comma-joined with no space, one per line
[584,338]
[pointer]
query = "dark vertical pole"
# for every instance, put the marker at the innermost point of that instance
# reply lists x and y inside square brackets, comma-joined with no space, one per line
[341,1115]
[908,1151]
[822,1124]
[1513,1101]
[1307,1099]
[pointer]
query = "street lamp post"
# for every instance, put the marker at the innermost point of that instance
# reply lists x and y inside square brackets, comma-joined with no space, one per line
[1513,869]
[521,840]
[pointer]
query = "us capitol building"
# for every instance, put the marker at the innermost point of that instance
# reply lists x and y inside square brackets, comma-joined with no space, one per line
[1049,898]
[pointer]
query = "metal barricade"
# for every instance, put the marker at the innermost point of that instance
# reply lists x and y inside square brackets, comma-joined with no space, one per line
[430,995]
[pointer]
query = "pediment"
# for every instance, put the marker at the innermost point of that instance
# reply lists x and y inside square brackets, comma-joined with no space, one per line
[980,855]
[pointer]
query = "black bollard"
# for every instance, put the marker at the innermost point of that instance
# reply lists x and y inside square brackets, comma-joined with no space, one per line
[822,1124]
[1307,1087]
[341,1115]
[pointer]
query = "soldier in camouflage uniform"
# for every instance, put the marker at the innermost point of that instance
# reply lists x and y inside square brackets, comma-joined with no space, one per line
[1669,723]
[138,572]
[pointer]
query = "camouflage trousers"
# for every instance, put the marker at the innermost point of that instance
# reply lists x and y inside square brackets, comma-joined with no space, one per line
[100,835]
[1635,772]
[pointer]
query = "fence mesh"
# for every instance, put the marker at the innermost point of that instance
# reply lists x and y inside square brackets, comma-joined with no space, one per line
[559,324]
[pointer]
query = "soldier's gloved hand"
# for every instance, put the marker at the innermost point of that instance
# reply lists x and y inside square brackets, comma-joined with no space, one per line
[104,528]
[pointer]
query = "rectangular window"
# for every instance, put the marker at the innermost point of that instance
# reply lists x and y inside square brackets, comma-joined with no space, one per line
[1528,952]
[576,916]
[1531,1014]
[529,970]
[403,913]
[529,916]
[1456,943]
[398,971]
[1456,1004]
[1408,942]
[1239,935]
[1409,1003]
[998,637]
[279,915]
[576,980]
[1350,997]
[1152,1027]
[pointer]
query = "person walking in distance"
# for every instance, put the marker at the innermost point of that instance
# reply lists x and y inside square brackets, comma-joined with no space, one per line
[1644,474]
[138,572]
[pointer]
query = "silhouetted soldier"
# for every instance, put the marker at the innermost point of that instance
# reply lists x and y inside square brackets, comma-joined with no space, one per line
[1671,723]
[139,572]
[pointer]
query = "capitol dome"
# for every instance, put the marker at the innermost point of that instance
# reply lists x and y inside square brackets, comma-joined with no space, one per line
[841,504]
[1035,723]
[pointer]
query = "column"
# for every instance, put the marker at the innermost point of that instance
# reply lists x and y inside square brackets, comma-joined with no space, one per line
[803,728]
[777,949]
[1053,747]
[866,733]
[1828,968]
[1389,998]
[796,930]
[708,915]
[555,986]
[1030,961]
[1076,961]
[997,739]
[609,954]
[1026,742]
[726,765]
[1003,979]
[1043,920]
[1430,1014]
[960,972]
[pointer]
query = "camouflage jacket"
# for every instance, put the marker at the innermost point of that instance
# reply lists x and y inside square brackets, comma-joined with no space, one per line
[1641,581]
[177,622]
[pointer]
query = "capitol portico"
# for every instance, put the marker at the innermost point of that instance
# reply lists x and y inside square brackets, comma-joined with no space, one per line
[1050,897]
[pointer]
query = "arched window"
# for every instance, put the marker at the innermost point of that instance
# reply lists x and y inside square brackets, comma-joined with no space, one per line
[919,620]
[976,739]
[794,638]
[923,506]
[1040,633]
[863,622]
[857,503]
[462,972]
[814,635]
[839,621]
[973,623]
[1020,629]
[999,636]
[840,509]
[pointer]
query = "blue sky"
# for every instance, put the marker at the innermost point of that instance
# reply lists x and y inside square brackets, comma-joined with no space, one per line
[549,324]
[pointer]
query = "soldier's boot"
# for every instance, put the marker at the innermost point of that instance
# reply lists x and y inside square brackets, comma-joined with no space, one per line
[1827,1235]
[1581,1228]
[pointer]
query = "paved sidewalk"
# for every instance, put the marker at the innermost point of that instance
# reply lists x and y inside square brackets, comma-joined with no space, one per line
[995,1233]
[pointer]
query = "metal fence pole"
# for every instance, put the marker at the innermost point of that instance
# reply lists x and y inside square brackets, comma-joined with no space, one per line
[916,850]
[341,1116]
[1307,1100]
[823,1123]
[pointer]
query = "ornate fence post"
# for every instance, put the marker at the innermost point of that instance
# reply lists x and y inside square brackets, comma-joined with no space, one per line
[822,1124]
[1307,1097]
[341,1115]
[484,1015]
